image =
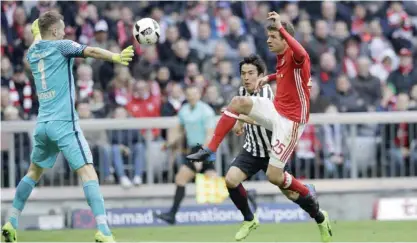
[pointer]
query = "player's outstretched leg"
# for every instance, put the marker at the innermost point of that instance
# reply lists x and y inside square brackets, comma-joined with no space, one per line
[23,191]
[184,175]
[239,197]
[238,105]
[96,202]
[311,206]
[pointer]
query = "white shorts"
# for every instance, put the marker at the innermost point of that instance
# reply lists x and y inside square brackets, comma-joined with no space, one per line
[285,133]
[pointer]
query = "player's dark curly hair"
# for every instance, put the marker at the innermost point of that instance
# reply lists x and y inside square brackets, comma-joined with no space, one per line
[48,19]
[254,60]
[287,26]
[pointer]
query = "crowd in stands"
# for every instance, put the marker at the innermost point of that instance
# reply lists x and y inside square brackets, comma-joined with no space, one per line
[363,57]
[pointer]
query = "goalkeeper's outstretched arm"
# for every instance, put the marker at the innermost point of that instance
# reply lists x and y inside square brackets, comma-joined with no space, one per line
[98,53]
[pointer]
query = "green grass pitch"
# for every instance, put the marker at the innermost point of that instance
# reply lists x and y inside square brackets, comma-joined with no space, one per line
[363,231]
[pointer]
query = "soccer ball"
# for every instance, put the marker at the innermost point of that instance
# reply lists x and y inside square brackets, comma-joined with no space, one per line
[147,31]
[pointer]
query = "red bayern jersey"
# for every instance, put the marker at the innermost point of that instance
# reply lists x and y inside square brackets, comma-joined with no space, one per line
[292,97]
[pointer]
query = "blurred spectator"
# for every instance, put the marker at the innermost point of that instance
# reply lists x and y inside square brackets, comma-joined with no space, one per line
[21,144]
[21,45]
[329,13]
[98,104]
[174,101]
[221,18]
[163,77]
[6,71]
[143,104]
[388,99]
[350,65]
[5,102]
[85,82]
[21,91]
[147,64]
[405,76]
[182,56]
[100,35]
[378,43]
[121,87]
[41,7]
[19,23]
[358,24]
[305,153]
[347,99]
[334,148]
[189,27]
[124,27]
[236,34]
[203,43]
[98,142]
[165,50]
[257,30]
[127,143]
[322,42]
[413,97]
[328,74]
[400,24]
[304,32]
[214,99]
[385,63]
[367,86]
[70,33]
[400,139]
[220,53]
[227,81]
[84,25]
[194,77]
[318,104]
[103,71]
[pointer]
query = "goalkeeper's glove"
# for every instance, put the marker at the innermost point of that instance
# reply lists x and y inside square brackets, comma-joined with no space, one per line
[35,29]
[124,57]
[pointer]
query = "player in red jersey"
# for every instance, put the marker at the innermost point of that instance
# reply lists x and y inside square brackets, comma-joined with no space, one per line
[286,116]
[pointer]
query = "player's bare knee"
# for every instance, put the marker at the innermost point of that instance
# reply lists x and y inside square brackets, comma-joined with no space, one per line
[183,176]
[231,180]
[35,172]
[87,173]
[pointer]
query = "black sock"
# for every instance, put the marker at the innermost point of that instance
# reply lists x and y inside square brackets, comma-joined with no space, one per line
[311,206]
[240,199]
[179,195]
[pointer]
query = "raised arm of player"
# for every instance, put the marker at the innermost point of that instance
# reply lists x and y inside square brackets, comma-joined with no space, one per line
[69,48]
[35,32]
[121,58]
[299,53]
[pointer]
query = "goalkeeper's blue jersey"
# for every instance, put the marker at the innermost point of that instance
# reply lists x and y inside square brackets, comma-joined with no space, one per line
[51,63]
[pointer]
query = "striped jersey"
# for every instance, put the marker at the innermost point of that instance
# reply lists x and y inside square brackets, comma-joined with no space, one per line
[51,64]
[257,138]
[292,98]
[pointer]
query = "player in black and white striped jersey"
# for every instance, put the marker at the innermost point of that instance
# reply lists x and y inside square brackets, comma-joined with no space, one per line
[258,139]
[254,155]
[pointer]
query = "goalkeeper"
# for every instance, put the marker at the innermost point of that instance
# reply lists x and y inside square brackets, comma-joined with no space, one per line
[57,130]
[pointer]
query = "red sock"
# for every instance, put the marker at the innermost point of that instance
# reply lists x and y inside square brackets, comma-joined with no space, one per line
[224,125]
[293,184]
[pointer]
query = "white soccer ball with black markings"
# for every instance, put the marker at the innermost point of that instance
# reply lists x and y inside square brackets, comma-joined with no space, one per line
[147,31]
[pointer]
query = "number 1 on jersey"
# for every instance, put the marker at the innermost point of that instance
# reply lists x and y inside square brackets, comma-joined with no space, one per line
[41,69]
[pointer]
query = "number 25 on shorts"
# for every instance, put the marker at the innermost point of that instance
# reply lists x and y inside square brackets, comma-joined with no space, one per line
[278,147]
